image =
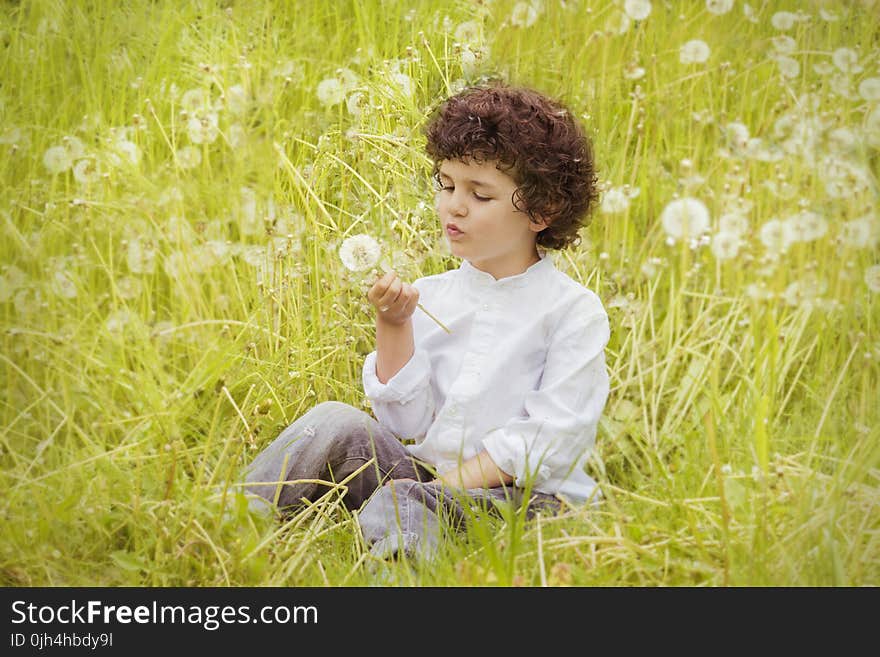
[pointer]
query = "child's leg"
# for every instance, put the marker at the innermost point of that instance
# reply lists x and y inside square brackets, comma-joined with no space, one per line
[408,516]
[328,443]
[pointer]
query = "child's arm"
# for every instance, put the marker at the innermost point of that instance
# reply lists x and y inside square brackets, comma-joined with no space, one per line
[396,375]
[477,472]
[395,302]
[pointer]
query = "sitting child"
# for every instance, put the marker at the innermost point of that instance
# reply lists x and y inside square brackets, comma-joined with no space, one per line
[508,399]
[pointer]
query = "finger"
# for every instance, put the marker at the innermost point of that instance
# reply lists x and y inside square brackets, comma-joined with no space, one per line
[380,287]
[390,296]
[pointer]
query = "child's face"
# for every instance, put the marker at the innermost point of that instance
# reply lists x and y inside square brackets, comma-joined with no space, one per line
[480,221]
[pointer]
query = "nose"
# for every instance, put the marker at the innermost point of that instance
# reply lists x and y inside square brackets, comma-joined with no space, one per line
[457,205]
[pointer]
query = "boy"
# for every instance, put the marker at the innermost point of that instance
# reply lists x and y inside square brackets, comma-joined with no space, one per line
[509,399]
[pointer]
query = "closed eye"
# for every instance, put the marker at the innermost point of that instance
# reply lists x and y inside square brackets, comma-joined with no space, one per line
[451,188]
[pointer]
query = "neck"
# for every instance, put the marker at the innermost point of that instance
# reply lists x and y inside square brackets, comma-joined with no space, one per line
[507,269]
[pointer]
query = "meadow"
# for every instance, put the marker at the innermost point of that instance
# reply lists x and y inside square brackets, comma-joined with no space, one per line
[177,178]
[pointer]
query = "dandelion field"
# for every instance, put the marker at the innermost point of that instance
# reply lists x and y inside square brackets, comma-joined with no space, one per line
[177,178]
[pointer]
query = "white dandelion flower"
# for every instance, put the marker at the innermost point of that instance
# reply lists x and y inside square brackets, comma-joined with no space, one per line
[356,103]
[758,292]
[57,159]
[783,20]
[175,263]
[841,84]
[843,139]
[251,224]
[330,92]
[638,10]
[725,246]
[860,233]
[633,71]
[737,135]
[618,22]
[141,256]
[189,157]
[783,44]
[468,33]
[74,146]
[719,7]
[828,16]
[807,226]
[118,320]
[129,287]
[86,171]
[804,292]
[170,195]
[869,89]
[788,67]
[202,128]
[348,79]
[195,100]
[846,60]
[360,252]
[823,68]
[63,285]
[685,218]
[695,51]
[12,136]
[872,127]
[236,135]
[733,223]
[749,13]
[614,200]
[129,150]
[402,82]
[524,14]
[236,100]
[776,236]
[872,278]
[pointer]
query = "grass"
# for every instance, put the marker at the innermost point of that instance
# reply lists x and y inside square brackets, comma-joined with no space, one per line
[173,302]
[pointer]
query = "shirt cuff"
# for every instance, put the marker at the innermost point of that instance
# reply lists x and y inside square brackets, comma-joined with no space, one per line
[409,381]
[514,459]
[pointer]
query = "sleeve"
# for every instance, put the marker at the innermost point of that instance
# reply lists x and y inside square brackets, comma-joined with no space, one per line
[558,431]
[405,404]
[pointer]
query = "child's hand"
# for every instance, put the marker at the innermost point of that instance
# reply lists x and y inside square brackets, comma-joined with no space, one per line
[395,300]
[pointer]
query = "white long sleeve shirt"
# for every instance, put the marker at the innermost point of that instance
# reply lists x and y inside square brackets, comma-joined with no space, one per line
[522,375]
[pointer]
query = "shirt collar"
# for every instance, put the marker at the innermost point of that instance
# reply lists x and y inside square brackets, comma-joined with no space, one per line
[482,279]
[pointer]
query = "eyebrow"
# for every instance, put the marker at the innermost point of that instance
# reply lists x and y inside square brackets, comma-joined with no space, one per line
[474,182]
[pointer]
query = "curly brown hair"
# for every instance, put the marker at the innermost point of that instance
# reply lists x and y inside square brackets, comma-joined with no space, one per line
[535,140]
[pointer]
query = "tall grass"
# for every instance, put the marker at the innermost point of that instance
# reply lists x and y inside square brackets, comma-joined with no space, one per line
[171,296]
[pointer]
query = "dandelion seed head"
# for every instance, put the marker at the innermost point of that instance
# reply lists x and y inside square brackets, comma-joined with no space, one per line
[872,278]
[57,160]
[846,60]
[695,51]
[719,7]
[788,66]
[360,252]
[733,223]
[869,89]
[614,200]
[86,171]
[685,218]
[783,20]
[726,245]
[524,14]
[638,10]
[189,157]
[330,92]
[783,44]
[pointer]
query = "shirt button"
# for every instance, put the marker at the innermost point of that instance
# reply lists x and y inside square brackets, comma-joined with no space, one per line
[485,306]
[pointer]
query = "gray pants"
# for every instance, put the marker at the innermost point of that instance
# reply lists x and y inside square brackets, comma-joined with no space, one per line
[401,509]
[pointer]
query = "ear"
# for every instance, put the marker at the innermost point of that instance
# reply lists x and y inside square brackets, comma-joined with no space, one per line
[538,226]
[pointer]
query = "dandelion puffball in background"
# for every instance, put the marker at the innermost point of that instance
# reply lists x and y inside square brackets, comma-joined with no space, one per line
[360,252]
[638,10]
[685,218]
[694,51]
